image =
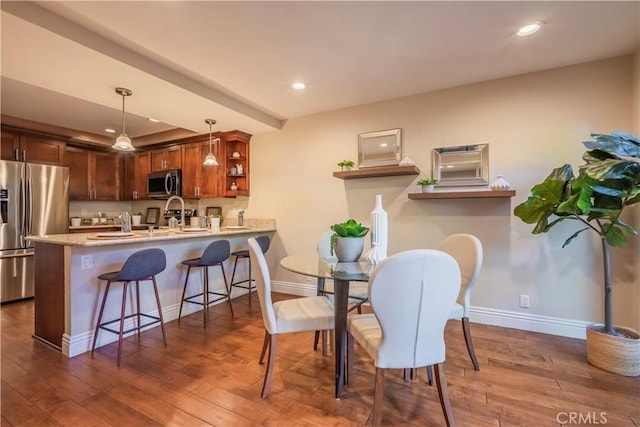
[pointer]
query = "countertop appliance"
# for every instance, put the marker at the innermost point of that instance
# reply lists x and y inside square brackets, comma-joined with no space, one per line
[164,184]
[176,213]
[34,200]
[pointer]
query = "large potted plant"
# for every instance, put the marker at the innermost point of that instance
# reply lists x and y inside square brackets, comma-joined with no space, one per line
[606,185]
[347,240]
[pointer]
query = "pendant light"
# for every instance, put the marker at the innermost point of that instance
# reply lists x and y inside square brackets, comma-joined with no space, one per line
[210,160]
[123,142]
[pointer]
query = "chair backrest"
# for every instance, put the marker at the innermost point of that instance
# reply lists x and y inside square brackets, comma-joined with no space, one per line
[466,249]
[323,247]
[263,284]
[215,252]
[264,243]
[143,264]
[412,294]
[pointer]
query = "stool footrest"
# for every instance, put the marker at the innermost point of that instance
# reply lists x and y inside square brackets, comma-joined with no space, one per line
[155,319]
[240,285]
[211,301]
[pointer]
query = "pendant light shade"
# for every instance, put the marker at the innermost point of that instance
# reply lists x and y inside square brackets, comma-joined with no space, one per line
[210,159]
[123,142]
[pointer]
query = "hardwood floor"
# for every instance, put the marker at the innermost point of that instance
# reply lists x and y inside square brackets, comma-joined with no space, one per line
[212,377]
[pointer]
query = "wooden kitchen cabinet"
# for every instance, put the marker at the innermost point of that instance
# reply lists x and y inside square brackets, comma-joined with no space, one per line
[199,180]
[235,152]
[34,149]
[166,158]
[142,170]
[94,175]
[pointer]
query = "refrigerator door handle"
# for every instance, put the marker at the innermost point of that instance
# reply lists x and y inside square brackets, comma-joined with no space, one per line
[28,207]
[22,211]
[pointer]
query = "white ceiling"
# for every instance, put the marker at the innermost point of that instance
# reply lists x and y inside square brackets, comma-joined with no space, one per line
[235,61]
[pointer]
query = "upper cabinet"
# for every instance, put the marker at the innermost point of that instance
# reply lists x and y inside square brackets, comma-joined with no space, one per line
[142,170]
[94,175]
[236,163]
[199,180]
[166,158]
[35,149]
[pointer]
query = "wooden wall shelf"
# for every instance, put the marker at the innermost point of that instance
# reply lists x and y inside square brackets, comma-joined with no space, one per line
[377,172]
[463,194]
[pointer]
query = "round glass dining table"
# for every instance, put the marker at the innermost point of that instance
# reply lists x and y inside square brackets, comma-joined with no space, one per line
[341,273]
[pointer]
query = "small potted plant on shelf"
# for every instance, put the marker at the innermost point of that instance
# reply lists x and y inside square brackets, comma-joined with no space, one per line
[607,183]
[347,240]
[346,165]
[136,218]
[427,184]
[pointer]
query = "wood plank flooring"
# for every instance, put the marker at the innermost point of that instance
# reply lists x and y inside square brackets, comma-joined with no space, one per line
[212,378]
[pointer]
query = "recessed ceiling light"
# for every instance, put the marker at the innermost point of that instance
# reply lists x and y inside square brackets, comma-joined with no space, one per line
[154,120]
[530,28]
[299,86]
[109,130]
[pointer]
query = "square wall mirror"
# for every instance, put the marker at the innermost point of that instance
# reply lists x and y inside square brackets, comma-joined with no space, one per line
[380,148]
[461,165]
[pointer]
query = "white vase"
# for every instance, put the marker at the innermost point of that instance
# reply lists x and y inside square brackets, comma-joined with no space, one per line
[379,234]
[500,184]
[349,249]
[136,219]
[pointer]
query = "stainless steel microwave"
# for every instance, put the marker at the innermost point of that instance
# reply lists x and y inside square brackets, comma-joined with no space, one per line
[164,184]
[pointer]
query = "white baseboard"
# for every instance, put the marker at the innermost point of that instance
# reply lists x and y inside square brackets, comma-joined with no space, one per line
[81,343]
[486,316]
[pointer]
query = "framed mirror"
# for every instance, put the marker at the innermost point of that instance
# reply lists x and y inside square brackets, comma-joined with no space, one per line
[380,148]
[461,165]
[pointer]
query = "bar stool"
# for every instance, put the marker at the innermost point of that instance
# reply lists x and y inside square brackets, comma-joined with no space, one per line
[214,254]
[140,266]
[264,243]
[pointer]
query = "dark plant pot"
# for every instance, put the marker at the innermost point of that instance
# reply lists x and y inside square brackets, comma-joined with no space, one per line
[349,249]
[616,354]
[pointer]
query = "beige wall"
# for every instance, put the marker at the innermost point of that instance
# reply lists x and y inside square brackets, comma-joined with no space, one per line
[532,122]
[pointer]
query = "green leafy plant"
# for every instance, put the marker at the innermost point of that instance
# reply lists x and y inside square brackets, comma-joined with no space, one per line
[346,163]
[350,228]
[427,181]
[139,213]
[607,183]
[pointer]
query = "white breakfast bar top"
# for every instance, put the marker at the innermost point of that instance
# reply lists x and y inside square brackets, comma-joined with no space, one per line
[139,236]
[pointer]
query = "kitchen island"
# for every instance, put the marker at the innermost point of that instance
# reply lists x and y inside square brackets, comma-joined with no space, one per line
[68,292]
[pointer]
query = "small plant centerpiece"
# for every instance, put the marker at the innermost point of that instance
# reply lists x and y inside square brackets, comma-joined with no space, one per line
[346,165]
[427,184]
[606,185]
[347,240]
[136,218]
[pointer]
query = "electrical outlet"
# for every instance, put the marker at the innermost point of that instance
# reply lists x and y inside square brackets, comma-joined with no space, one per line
[87,262]
[83,212]
[524,301]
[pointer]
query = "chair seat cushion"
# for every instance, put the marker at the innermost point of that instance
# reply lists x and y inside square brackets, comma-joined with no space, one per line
[457,312]
[111,276]
[356,290]
[303,314]
[366,330]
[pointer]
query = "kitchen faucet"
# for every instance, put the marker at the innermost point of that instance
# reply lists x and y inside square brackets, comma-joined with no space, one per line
[171,199]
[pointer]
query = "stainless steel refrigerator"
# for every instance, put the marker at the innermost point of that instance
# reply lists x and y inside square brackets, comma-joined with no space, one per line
[34,200]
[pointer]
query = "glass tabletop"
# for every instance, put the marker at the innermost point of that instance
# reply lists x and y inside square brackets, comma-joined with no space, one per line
[315,266]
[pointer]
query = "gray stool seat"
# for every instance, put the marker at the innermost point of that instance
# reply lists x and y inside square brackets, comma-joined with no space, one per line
[214,254]
[248,284]
[140,266]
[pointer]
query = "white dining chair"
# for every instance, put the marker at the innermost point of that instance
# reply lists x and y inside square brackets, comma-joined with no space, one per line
[466,249]
[411,294]
[293,315]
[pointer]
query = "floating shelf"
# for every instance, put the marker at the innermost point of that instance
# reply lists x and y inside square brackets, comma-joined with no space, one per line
[463,194]
[376,172]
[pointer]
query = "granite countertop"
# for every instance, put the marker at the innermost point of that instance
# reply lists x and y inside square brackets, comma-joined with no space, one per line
[114,238]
